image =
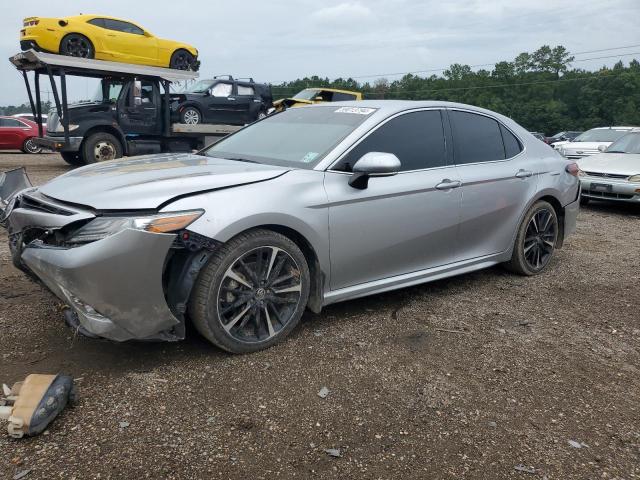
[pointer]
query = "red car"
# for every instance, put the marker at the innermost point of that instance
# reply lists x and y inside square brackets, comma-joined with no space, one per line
[18,133]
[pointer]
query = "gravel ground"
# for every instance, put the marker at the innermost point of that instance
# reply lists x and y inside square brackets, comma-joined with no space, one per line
[487,375]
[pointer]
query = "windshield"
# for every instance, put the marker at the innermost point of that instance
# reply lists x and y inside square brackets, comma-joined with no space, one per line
[107,91]
[200,86]
[307,94]
[601,135]
[630,143]
[299,137]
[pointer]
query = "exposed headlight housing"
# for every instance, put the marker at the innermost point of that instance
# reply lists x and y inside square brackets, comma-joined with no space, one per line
[102,227]
[635,178]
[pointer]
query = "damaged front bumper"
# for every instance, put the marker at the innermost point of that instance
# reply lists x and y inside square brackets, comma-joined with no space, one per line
[113,286]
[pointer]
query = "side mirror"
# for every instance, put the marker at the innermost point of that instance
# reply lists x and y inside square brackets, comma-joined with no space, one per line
[602,148]
[136,93]
[373,164]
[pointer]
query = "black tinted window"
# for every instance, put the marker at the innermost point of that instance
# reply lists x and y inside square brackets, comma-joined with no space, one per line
[476,138]
[342,97]
[98,22]
[121,26]
[417,139]
[512,146]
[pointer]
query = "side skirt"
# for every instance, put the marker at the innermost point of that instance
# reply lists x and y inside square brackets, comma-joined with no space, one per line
[414,278]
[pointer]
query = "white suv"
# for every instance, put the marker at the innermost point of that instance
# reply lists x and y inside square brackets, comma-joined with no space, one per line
[591,141]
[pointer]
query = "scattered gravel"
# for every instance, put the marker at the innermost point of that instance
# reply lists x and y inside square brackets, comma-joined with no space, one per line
[531,364]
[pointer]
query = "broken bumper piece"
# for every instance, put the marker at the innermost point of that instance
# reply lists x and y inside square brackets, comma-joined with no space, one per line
[113,285]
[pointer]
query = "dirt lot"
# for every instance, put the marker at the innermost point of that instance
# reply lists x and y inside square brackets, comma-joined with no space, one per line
[480,376]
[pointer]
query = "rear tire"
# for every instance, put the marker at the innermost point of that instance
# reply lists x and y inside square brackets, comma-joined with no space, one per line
[252,293]
[101,147]
[182,60]
[29,147]
[76,45]
[72,158]
[536,240]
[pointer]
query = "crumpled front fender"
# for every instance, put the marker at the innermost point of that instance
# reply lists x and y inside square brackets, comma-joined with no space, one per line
[114,284]
[11,182]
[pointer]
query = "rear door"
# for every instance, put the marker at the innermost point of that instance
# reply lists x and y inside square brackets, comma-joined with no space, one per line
[246,105]
[399,224]
[498,180]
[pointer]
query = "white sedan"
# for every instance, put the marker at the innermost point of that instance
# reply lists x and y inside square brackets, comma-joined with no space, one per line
[613,174]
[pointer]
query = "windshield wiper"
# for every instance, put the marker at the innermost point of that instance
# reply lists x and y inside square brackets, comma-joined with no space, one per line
[239,159]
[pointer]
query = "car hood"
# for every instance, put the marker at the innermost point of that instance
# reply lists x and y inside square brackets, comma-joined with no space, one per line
[614,163]
[585,145]
[149,181]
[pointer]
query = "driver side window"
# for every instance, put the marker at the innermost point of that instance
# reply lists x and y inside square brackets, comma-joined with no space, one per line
[221,89]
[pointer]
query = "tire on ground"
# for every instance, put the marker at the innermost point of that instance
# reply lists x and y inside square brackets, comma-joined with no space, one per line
[203,304]
[29,147]
[518,264]
[99,147]
[72,158]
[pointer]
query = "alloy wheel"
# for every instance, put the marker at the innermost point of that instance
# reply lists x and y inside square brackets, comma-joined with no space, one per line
[540,238]
[191,116]
[104,151]
[78,47]
[182,61]
[259,294]
[31,147]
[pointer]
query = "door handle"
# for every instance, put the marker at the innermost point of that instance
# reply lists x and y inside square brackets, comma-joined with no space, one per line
[230,98]
[523,173]
[447,184]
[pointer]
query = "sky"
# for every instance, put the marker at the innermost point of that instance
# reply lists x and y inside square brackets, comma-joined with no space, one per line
[278,40]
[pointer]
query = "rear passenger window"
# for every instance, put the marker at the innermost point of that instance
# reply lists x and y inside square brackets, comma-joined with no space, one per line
[512,146]
[244,90]
[416,138]
[476,138]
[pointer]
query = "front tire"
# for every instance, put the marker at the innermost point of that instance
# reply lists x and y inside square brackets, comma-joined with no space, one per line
[76,45]
[252,293]
[101,147]
[72,158]
[182,60]
[536,240]
[30,147]
[190,116]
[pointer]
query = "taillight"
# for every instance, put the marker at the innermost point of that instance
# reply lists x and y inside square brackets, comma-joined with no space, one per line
[573,169]
[29,22]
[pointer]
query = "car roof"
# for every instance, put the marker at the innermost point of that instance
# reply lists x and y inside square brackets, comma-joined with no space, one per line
[615,128]
[89,16]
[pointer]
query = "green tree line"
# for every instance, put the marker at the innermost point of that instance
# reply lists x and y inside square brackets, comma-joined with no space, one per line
[539,90]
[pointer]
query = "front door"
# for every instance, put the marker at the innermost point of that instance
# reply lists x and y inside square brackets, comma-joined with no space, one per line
[221,104]
[498,180]
[144,118]
[399,224]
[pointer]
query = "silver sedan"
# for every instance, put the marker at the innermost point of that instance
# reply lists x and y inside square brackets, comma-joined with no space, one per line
[308,207]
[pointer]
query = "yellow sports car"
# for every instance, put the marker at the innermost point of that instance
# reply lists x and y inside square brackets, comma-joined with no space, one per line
[309,96]
[105,38]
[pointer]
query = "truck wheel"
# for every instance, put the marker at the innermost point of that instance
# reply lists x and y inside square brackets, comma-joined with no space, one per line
[29,147]
[182,60]
[100,147]
[190,116]
[72,158]
[262,114]
[76,45]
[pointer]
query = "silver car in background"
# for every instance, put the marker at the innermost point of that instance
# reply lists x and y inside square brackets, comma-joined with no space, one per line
[613,174]
[309,207]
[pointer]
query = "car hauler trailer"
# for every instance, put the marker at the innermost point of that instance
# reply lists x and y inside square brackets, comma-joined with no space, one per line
[130,115]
